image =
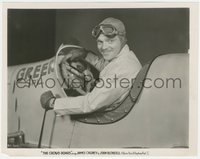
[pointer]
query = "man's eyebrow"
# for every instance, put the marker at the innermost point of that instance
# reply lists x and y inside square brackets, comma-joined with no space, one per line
[99,40]
[110,39]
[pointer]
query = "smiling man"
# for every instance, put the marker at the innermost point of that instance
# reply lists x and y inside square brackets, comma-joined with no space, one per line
[118,66]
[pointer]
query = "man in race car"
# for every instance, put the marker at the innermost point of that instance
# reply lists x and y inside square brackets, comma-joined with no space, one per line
[118,66]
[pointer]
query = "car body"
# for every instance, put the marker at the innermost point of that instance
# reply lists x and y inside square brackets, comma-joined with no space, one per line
[158,119]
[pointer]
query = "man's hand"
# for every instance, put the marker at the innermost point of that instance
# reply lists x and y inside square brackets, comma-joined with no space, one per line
[89,80]
[47,100]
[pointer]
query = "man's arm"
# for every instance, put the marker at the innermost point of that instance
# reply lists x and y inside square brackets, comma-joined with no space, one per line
[103,95]
[98,62]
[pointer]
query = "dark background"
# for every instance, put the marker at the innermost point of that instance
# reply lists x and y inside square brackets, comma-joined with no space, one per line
[36,34]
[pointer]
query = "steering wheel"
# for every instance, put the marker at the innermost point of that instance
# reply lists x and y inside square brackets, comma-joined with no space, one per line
[79,76]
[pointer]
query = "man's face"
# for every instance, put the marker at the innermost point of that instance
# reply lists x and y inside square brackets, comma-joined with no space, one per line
[109,47]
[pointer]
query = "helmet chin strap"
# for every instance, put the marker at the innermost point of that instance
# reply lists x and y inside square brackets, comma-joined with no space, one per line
[123,40]
[123,44]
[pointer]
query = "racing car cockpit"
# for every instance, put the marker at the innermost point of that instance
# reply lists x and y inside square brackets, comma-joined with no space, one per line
[79,77]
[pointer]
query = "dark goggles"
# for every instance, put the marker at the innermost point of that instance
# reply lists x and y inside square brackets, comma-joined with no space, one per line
[107,29]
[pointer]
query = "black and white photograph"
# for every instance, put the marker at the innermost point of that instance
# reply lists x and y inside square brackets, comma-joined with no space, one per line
[109,80]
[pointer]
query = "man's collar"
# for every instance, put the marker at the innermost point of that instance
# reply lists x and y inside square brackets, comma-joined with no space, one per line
[124,49]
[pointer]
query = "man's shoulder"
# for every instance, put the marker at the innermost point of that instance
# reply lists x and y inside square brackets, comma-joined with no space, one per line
[126,67]
[130,60]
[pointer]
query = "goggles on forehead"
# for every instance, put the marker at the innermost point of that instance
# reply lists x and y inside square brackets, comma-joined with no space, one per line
[107,29]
